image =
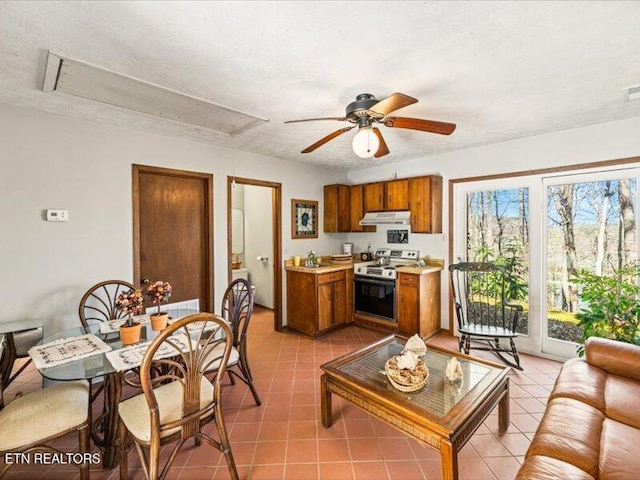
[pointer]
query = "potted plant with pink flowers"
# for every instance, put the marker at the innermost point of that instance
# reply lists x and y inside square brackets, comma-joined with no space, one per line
[130,303]
[157,293]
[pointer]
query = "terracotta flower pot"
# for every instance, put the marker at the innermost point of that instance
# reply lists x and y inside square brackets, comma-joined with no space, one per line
[159,321]
[130,335]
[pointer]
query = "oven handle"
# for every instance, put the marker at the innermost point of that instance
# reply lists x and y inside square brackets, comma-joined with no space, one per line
[373,281]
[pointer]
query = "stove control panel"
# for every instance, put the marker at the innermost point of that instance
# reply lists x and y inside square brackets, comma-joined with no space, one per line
[399,254]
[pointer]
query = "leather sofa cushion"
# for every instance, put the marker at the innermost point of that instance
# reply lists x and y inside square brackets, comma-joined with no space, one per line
[539,467]
[617,358]
[583,382]
[570,432]
[619,459]
[622,398]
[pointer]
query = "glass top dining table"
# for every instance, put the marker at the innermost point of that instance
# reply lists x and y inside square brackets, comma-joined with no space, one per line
[104,428]
[97,365]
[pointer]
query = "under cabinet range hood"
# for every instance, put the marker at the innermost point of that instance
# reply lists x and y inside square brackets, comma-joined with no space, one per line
[386,218]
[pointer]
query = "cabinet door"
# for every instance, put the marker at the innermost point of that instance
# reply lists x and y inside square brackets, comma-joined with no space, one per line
[344,207]
[339,303]
[425,203]
[325,306]
[408,304]
[336,208]
[357,209]
[374,197]
[397,195]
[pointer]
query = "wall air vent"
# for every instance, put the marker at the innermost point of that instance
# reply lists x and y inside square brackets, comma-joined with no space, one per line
[87,81]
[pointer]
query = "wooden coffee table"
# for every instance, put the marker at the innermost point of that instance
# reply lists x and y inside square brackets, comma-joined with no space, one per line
[441,414]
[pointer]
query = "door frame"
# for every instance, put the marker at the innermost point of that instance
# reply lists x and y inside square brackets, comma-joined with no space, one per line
[585,168]
[276,200]
[209,226]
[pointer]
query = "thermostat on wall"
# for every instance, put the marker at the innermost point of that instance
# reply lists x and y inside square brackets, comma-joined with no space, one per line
[57,215]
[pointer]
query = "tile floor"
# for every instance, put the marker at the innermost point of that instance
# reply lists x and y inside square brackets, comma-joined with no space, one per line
[283,439]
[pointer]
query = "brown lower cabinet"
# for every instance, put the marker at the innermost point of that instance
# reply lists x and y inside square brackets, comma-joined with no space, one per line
[317,302]
[418,303]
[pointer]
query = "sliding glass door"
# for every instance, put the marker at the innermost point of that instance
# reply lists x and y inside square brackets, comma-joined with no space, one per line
[590,226]
[545,230]
[494,221]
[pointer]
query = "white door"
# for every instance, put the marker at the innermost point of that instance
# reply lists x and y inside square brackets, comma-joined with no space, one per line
[259,248]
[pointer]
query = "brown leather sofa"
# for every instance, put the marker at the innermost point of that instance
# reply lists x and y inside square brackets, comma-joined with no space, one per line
[591,427]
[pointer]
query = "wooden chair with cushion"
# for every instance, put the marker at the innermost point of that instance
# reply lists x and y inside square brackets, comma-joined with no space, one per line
[178,402]
[237,307]
[99,303]
[30,422]
[484,314]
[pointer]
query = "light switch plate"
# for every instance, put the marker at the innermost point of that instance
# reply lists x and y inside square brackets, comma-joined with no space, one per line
[57,215]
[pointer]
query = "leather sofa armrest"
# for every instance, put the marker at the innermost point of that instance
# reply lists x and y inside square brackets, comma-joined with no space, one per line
[616,358]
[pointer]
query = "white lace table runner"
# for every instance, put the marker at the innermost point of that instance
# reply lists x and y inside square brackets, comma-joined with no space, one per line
[113,326]
[131,357]
[67,350]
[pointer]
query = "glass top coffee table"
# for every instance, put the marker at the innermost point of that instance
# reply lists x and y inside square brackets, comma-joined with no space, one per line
[443,415]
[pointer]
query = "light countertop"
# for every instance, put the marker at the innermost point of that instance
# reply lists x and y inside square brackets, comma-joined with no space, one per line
[323,268]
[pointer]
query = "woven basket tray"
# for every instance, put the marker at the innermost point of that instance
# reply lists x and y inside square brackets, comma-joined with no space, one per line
[404,387]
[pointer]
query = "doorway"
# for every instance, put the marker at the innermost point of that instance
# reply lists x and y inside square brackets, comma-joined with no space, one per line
[255,239]
[173,232]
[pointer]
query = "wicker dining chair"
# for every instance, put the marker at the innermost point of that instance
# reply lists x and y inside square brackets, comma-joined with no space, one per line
[99,303]
[30,422]
[237,308]
[484,314]
[26,334]
[176,404]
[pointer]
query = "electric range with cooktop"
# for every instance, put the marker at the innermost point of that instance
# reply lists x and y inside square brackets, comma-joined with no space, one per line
[375,282]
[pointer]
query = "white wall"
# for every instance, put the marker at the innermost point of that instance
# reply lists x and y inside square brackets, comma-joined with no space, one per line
[48,161]
[606,141]
[259,241]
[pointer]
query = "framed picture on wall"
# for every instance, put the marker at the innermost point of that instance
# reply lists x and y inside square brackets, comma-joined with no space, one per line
[304,219]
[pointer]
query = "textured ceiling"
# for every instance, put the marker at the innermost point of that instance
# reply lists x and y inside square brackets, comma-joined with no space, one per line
[499,70]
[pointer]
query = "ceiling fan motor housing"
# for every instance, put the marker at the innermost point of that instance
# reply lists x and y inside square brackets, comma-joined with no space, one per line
[360,108]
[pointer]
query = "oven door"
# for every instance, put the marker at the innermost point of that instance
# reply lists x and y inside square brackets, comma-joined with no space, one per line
[375,297]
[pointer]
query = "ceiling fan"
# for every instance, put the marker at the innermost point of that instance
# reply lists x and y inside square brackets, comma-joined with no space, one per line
[366,111]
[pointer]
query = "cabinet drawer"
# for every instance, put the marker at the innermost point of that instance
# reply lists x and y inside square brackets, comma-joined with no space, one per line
[408,280]
[331,277]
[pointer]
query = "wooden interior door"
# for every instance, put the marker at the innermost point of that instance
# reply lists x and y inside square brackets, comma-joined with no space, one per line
[173,231]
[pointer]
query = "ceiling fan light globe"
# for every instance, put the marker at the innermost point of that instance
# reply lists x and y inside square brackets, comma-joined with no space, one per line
[365,143]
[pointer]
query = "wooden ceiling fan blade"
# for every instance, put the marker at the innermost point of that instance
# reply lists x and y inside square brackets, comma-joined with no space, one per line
[392,103]
[382,149]
[340,119]
[431,126]
[326,139]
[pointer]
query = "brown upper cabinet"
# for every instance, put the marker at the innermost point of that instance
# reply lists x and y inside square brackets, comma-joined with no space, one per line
[357,209]
[396,195]
[345,205]
[373,197]
[425,203]
[337,207]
